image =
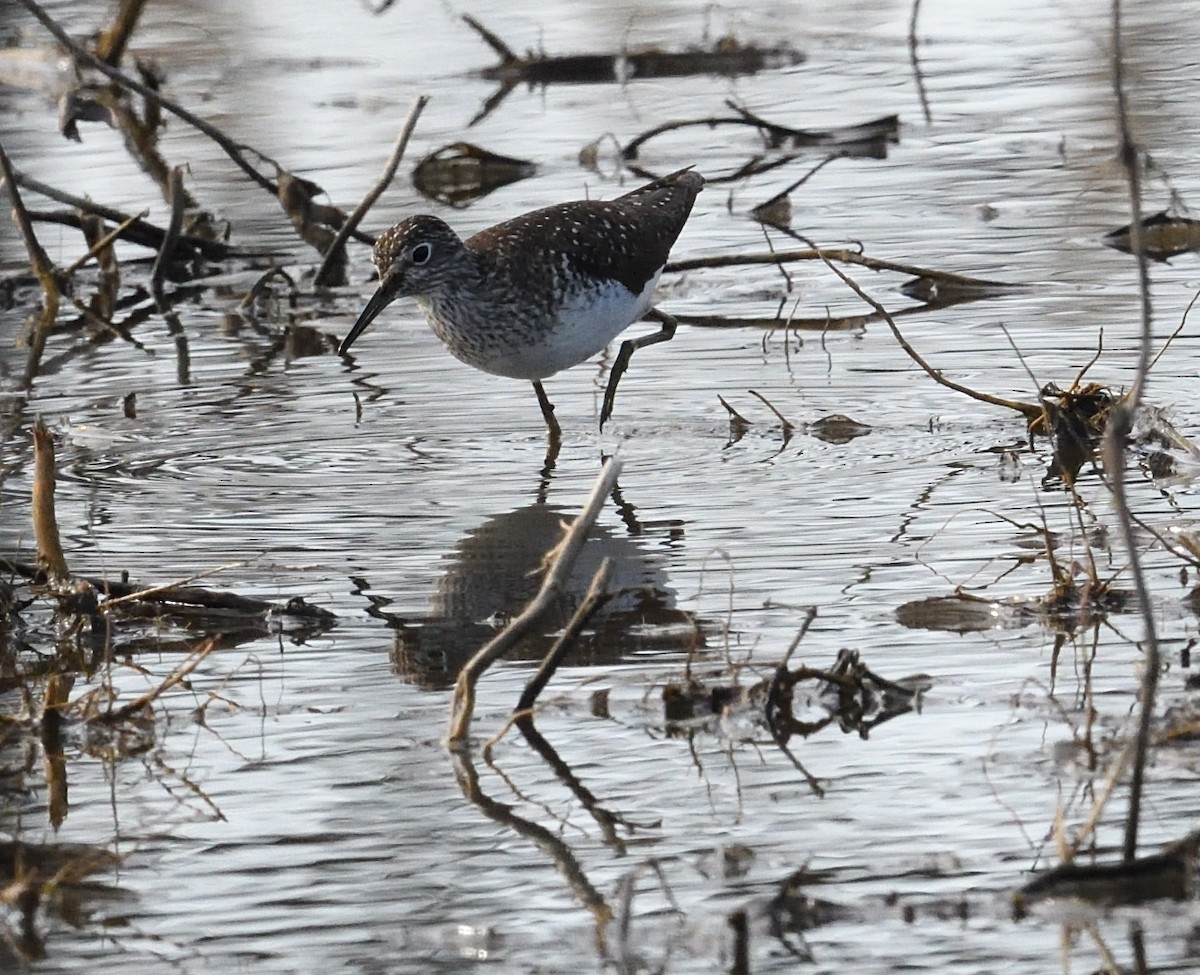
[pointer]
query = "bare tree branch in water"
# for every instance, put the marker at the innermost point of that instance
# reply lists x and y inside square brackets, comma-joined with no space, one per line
[1120,425]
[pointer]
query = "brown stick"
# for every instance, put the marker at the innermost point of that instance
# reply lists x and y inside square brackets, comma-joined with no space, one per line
[45,524]
[1031,411]
[389,171]
[178,674]
[1120,424]
[102,242]
[39,260]
[462,705]
[111,44]
[595,598]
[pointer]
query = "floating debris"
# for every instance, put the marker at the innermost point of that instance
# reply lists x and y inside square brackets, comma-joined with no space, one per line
[943,290]
[1163,236]
[1163,876]
[838,429]
[849,694]
[958,613]
[462,172]
[727,56]
[1075,419]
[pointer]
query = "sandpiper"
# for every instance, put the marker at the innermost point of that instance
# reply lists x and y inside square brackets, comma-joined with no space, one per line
[543,291]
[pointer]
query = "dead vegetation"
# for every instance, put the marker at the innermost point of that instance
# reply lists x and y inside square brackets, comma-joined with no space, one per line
[58,625]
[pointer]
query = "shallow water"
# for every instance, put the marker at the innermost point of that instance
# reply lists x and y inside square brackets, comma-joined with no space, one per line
[344,838]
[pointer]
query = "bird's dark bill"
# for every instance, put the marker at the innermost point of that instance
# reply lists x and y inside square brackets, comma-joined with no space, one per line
[378,302]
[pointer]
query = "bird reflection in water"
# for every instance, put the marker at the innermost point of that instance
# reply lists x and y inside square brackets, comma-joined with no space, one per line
[495,570]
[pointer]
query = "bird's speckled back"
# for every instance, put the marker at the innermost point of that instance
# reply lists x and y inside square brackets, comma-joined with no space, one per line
[625,240]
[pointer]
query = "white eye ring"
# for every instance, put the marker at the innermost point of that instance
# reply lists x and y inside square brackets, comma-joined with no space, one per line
[421,253]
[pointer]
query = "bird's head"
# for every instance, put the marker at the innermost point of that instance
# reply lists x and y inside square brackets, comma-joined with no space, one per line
[416,257]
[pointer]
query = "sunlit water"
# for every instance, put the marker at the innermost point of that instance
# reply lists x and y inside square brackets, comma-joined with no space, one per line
[344,840]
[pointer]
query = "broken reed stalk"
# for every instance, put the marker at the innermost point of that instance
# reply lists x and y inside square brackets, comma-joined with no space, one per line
[39,260]
[45,524]
[1120,424]
[562,559]
[389,172]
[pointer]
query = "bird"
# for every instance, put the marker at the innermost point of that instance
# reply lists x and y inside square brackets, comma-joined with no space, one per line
[543,291]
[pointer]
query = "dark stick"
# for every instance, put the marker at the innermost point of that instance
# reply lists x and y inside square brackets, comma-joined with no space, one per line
[232,149]
[170,238]
[916,62]
[1120,424]
[595,598]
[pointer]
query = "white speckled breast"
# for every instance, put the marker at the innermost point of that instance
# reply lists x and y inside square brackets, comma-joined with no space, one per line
[586,321]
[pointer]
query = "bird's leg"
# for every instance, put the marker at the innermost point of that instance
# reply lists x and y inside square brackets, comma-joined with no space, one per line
[547,473]
[552,427]
[628,348]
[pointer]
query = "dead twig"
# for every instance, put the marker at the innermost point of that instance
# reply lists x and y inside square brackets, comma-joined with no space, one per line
[45,524]
[788,427]
[592,601]
[1031,411]
[1178,328]
[140,703]
[389,171]
[102,243]
[916,62]
[167,248]
[1120,425]
[462,704]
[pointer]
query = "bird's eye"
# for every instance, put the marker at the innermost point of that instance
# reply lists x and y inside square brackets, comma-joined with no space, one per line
[421,253]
